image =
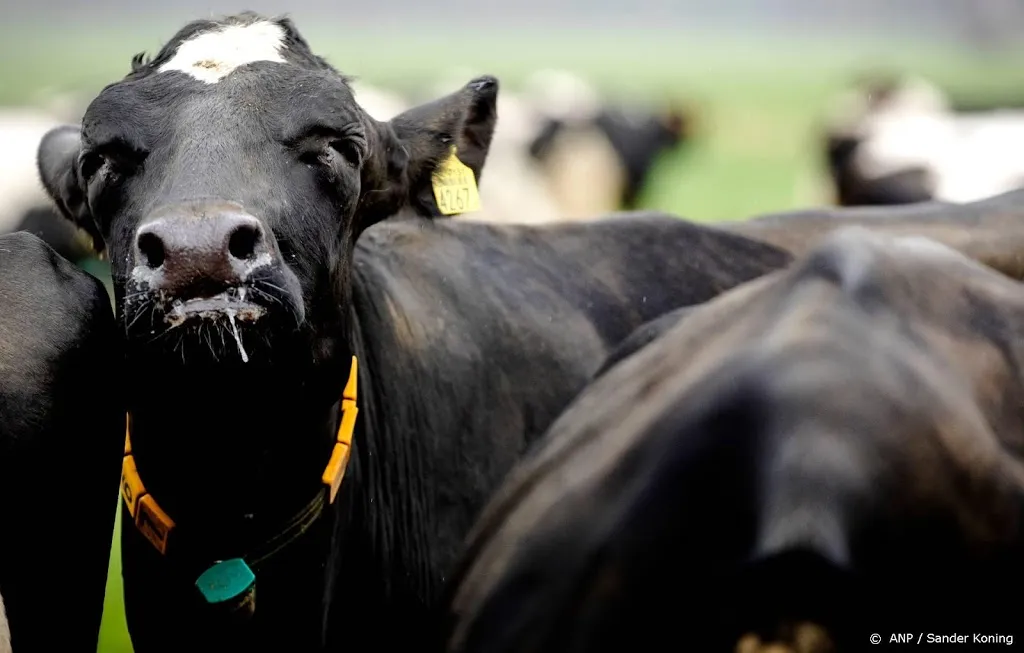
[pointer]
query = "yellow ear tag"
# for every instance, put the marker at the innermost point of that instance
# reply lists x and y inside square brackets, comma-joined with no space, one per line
[455,187]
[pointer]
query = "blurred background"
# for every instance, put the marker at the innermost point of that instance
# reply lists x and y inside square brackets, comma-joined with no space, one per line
[708,109]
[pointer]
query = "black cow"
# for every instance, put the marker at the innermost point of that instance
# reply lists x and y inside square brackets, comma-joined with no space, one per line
[61,430]
[242,195]
[825,454]
[990,230]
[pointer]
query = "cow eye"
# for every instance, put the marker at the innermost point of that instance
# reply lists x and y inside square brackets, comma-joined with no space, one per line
[111,159]
[90,163]
[328,148]
[348,149]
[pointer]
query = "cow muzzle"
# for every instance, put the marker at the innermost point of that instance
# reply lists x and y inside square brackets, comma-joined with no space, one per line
[208,261]
[199,251]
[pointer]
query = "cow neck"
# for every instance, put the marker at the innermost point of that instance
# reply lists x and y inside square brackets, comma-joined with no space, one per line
[171,539]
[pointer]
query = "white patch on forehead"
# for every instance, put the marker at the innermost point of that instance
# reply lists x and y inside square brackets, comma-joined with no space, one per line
[210,56]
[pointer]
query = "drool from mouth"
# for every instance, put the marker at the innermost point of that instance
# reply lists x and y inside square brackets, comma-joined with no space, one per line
[230,304]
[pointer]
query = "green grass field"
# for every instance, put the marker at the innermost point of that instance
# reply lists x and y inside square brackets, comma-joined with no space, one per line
[757,149]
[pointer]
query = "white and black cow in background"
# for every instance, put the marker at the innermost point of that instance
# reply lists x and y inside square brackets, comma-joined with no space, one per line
[896,140]
[622,143]
[573,150]
[560,150]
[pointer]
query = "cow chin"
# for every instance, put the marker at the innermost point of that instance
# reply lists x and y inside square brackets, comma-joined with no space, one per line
[240,324]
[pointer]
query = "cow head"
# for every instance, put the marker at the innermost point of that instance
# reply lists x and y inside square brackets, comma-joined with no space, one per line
[229,177]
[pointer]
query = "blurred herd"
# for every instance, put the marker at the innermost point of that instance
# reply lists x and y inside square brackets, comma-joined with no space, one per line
[563,150]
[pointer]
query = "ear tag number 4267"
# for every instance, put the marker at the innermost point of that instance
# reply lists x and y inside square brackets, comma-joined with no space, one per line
[455,187]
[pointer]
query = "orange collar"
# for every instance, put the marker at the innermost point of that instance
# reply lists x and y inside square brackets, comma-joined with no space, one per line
[156,525]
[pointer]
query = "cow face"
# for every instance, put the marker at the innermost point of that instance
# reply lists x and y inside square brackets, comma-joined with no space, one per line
[229,176]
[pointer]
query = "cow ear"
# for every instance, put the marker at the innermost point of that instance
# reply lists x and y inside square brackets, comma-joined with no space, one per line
[57,161]
[463,120]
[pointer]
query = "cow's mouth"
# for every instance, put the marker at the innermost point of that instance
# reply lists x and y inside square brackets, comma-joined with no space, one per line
[239,323]
[231,305]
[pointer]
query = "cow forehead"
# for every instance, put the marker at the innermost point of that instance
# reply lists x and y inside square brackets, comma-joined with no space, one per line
[213,54]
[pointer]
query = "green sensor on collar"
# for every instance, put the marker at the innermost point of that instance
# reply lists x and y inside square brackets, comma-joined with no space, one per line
[226,582]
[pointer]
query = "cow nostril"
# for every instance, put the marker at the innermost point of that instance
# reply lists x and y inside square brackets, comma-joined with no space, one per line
[243,241]
[152,249]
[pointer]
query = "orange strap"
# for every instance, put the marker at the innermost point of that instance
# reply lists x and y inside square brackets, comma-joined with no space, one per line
[156,525]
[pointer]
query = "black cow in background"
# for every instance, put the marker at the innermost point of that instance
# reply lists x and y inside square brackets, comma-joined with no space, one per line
[253,261]
[751,479]
[990,231]
[61,433]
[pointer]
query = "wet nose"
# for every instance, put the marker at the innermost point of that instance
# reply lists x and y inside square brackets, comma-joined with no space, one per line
[200,252]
